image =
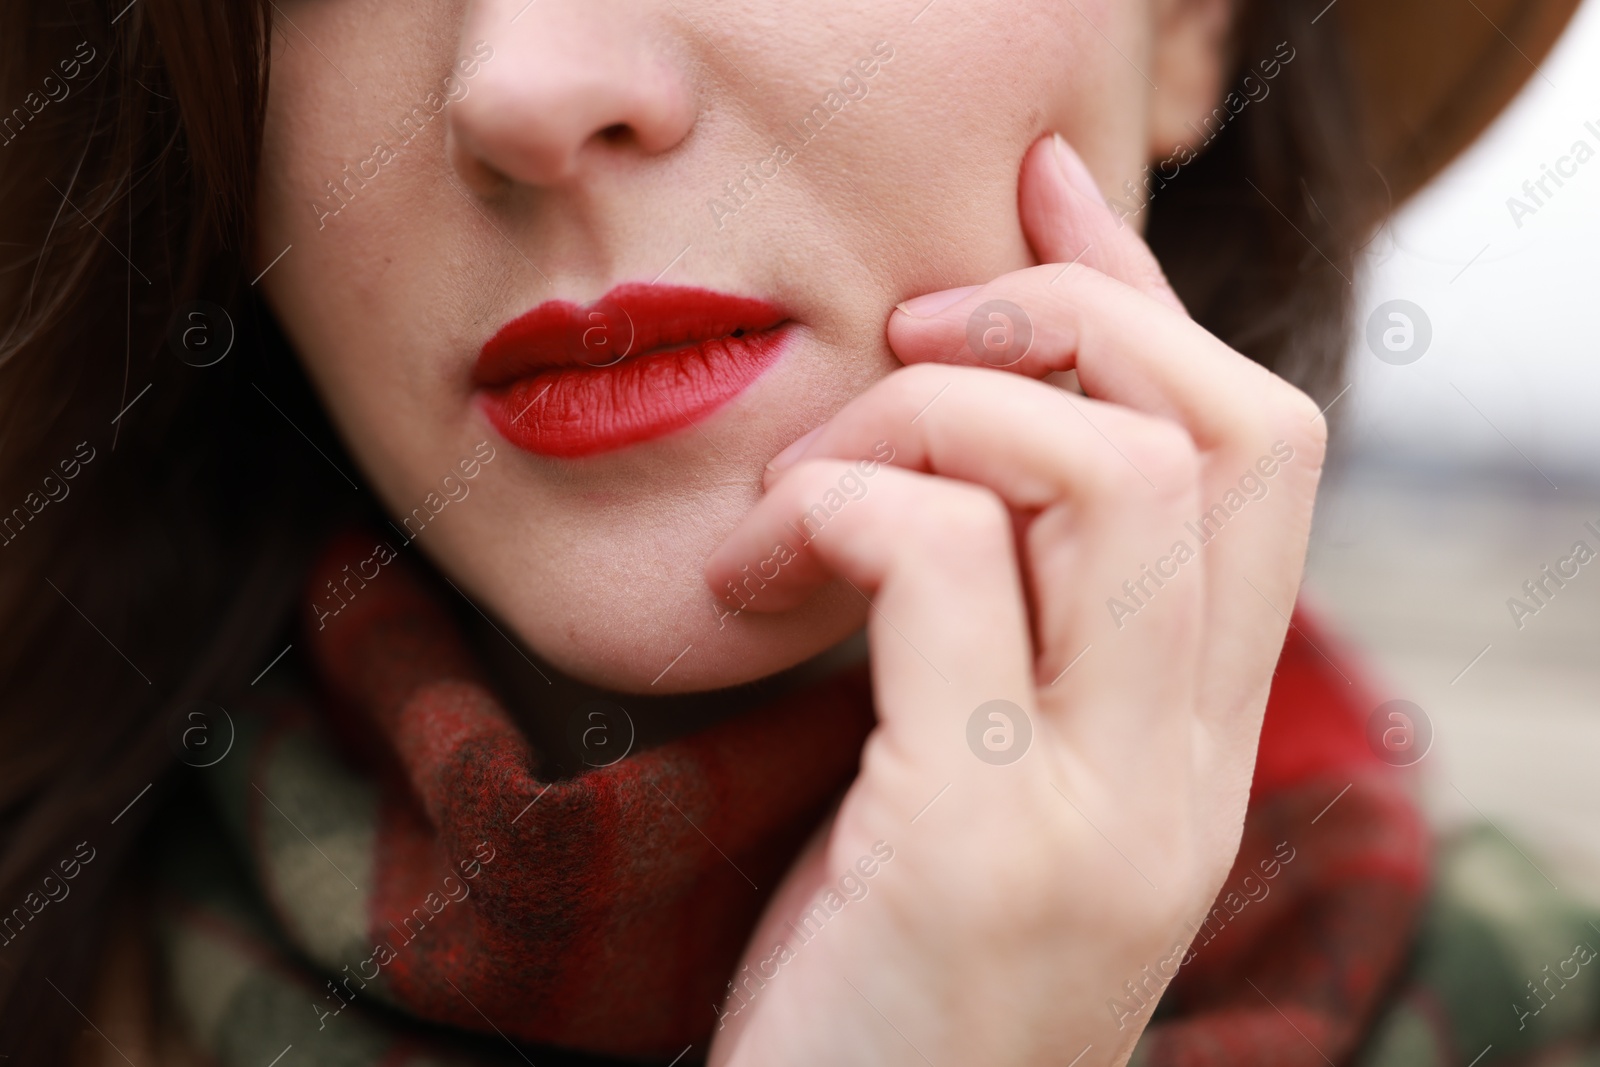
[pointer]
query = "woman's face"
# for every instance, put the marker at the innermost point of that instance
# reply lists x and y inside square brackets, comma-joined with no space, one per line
[438,168]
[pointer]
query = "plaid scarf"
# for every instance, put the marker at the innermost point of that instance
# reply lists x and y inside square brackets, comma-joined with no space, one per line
[378,873]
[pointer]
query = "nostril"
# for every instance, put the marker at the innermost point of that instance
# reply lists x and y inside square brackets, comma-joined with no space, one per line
[616,133]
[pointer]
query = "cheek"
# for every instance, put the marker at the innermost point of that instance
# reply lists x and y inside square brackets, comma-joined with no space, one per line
[356,212]
[1102,93]
[933,150]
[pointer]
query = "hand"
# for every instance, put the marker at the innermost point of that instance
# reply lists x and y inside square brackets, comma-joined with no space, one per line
[1025,894]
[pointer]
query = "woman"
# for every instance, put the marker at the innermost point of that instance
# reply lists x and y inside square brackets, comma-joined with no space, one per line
[650,358]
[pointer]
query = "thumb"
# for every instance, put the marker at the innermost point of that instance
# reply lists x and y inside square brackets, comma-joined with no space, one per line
[1066,220]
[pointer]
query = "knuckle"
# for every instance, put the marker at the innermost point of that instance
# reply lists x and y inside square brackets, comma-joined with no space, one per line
[912,385]
[1167,458]
[1173,455]
[963,517]
[1312,438]
[1293,417]
[1306,446]
[818,493]
[1285,426]
[1100,482]
[1293,402]
[918,375]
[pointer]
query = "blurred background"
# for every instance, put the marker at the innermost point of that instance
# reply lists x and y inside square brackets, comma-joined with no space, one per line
[1468,460]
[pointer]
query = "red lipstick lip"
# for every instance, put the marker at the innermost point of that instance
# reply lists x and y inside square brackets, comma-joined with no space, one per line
[643,361]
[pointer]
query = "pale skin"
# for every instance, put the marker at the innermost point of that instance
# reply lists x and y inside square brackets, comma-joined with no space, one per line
[584,153]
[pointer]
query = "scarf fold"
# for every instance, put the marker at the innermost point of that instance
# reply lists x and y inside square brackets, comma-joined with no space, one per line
[424,864]
[383,872]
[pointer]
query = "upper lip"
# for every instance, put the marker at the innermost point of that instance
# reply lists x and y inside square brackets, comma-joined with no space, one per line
[632,319]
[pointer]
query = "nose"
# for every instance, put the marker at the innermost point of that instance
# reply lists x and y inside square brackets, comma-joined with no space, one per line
[559,84]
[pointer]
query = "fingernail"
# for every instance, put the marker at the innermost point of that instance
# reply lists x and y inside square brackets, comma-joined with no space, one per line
[791,455]
[1073,170]
[930,304]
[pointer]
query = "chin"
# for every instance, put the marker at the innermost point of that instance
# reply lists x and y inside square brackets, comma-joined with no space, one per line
[700,649]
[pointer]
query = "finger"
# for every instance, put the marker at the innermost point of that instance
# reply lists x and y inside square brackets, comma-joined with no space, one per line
[948,627]
[1066,220]
[1261,442]
[1064,216]
[1092,519]
[1127,348]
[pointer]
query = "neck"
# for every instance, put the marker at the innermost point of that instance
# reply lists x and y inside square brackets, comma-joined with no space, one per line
[544,700]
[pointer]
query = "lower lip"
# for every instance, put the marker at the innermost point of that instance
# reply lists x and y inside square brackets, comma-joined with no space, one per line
[569,412]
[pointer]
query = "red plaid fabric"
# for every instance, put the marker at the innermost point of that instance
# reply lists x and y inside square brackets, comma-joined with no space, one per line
[426,861]
[615,905]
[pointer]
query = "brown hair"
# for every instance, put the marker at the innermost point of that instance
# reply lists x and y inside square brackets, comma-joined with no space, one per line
[162,570]
[159,570]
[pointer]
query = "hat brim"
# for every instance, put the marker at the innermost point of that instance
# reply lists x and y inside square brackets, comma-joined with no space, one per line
[1431,74]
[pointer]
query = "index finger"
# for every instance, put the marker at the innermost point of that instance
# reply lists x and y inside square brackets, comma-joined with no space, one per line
[1127,347]
[1134,350]
[1066,220]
